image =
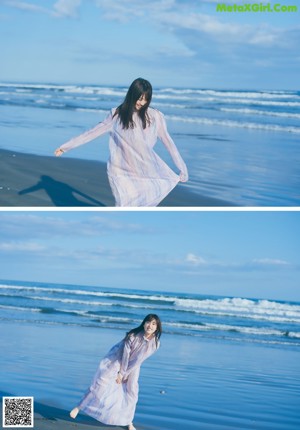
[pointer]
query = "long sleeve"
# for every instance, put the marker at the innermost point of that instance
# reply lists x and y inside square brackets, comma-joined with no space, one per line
[171,147]
[100,129]
[136,350]
[126,355]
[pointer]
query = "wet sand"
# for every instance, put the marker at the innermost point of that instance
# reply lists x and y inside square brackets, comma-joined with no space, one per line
[192,382]
[49,417]
[41,181]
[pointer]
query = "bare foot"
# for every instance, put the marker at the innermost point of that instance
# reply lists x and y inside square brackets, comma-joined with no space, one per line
[131,427]
[74,413]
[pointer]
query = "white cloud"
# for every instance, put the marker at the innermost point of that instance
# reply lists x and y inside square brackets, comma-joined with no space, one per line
[21,246]
[197,262]
[66,8]
[30,7]
[34,225]
[177,16]
[61,8]
[172,16]
[270,262]
[126,10]
[195,259]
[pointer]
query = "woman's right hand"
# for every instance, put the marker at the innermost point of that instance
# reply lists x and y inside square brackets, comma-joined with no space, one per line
[58,152]
[184,177]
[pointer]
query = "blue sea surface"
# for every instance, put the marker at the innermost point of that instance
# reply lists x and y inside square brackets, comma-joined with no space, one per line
[240,146]
[238,319]
[224,362]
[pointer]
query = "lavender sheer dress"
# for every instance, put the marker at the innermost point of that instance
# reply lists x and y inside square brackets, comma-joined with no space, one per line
[112,403]
[137,175]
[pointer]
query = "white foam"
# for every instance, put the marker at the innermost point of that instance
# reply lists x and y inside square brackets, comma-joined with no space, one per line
[234,94]
[66,88]
[92,110]
[258,331]
[235,124]
[294,334]
[262,112]
[19,308]
[89,293]
[170,105]
[93,303]
[71,301]
[244,308]
[226,100]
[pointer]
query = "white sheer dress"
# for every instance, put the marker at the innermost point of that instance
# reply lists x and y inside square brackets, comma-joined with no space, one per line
[137,175]
[112,403]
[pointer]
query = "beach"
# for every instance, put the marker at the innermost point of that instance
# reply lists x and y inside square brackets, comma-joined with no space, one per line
[207,374]
[28,180]
[241,147]
[189,383]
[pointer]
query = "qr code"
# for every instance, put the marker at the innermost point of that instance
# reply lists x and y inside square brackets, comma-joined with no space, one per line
[17,412]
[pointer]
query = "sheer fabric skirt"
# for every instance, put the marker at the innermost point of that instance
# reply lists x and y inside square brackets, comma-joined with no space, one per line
[109,402]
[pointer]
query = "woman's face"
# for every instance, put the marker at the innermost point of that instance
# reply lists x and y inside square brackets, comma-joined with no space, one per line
[150,327]
[140,102]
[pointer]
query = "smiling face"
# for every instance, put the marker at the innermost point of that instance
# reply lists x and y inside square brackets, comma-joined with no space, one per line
[150,328]
[140,102]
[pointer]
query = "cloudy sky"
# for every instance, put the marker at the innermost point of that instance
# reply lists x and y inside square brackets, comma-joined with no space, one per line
[248,254]
[184,43]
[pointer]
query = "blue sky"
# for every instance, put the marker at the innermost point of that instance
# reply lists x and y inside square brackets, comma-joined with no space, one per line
[183,43]
[244,254]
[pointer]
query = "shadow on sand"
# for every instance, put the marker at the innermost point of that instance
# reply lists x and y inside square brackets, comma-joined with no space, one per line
[61,194]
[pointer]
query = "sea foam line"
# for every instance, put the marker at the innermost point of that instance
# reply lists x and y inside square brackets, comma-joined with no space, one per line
[262,112]
[236,304]
[235,124]
[257,317]
[241,305]
[89,293]
[246,94]
[228,100]
[67,88]
[19,308]
[264,331]
[95,303]
[181,94]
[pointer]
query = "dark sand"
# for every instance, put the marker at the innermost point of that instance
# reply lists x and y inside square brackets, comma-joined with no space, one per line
[37,181]
[49,417]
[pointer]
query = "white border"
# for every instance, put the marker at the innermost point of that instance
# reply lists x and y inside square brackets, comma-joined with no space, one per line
[152,209]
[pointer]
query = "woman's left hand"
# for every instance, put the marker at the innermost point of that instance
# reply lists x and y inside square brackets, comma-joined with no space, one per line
[119,379]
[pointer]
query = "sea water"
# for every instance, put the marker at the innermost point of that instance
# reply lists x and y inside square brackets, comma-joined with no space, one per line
[239,319]
[240,146]
[224,362]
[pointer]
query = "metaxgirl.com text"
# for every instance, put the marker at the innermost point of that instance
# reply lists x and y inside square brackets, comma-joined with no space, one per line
[255,7]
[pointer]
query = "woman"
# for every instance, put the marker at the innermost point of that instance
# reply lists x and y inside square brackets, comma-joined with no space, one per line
[113,394]
[137,175]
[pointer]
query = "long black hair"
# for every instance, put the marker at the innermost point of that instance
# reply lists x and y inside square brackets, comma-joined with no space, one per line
[140,328]
[139,87]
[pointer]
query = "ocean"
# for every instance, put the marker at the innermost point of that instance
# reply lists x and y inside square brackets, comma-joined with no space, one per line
[233,319]
[224,362]
[240,146]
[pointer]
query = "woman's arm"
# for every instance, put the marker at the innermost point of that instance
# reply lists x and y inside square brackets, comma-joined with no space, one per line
[125,359]
[171,147]
[101,128]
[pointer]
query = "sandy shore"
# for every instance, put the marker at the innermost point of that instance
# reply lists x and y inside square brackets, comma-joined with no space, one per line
[49,417]
[193,383]
[35,181]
